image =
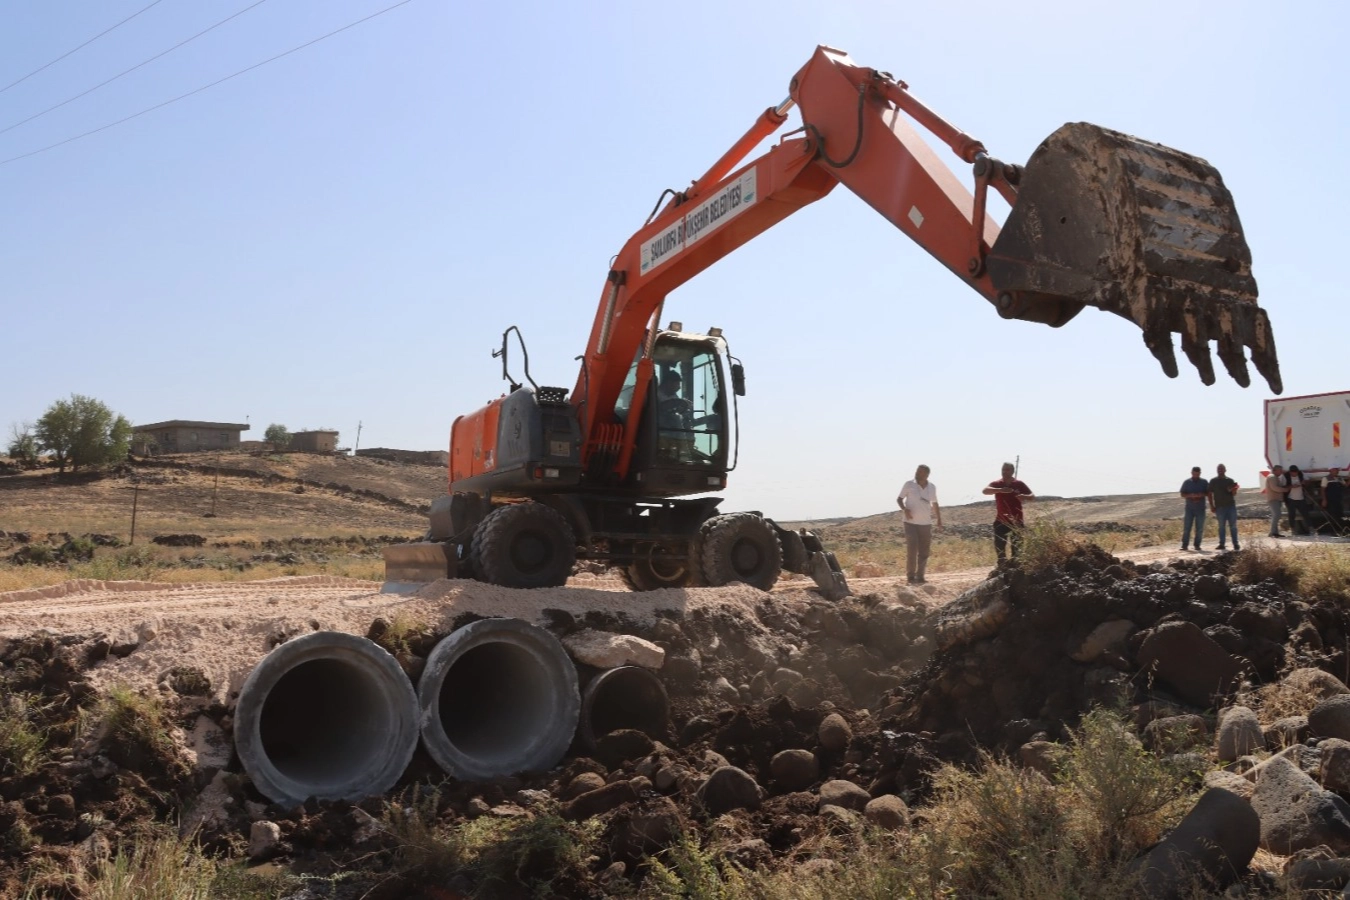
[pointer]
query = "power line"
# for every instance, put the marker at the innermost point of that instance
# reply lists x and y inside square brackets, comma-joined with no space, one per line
[81,47]
[132,69]
[5,162]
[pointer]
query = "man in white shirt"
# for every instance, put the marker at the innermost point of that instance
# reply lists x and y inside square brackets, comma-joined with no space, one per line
[919,500]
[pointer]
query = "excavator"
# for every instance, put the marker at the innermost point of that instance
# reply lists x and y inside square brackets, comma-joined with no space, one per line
[623,469]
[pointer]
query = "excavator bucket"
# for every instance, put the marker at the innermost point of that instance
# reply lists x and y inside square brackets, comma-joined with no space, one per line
[1140,230]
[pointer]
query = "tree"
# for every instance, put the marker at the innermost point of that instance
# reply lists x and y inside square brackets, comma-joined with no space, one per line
[277,436]
[23,444]
[82,431]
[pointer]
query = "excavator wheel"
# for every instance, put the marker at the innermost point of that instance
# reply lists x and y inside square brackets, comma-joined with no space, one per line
[741,547]
[523,545]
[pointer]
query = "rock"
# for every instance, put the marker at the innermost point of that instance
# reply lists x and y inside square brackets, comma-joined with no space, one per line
[845,794]
[1042,756]
[1239,733]
[618,747]
[263,838]
[794,770]
[683,669]
[1231,782]
[729,788]
[1335,769]
[1216,841]
[868,570]
[750,854]
[583,783]
[1286,732]
[834,733]
[784,680]
[1318,874]
[650,828]
[477,807]
[712,760]
[605,650]
[601,800]
[1331,717]
[1173,733]
[1304,758]
[888,811]
[1314,682]
[1296,813]
[725,690]
[668,778]
[1110,635]
[840,820]
[1188,661]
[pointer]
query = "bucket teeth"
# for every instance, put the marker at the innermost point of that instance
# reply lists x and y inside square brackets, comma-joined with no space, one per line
[1142,231]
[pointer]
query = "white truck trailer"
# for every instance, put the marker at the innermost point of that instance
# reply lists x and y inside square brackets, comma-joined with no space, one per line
[1311,432]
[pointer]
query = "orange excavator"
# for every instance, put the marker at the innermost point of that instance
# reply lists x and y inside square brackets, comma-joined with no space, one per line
[621,469]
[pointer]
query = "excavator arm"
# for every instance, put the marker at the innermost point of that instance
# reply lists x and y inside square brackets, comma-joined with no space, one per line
[1098,218]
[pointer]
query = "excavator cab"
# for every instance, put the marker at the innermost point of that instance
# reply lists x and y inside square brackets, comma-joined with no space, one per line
[684,438]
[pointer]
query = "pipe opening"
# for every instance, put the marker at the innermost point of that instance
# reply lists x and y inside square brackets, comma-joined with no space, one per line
[495,698]
[323,721]
[624,697]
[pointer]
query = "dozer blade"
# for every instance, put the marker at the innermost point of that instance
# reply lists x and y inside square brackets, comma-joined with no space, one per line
[1141,230]
[408,567]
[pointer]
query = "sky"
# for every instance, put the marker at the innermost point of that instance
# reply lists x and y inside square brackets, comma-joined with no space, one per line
[338,238]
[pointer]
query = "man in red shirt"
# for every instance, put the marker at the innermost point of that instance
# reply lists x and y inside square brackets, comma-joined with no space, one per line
[1009,493]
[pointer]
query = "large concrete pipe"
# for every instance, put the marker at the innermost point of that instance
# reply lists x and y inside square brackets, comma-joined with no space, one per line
[497,697]
[623,697]
[327,715]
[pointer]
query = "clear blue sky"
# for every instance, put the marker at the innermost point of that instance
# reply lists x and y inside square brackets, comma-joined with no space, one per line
[341,236]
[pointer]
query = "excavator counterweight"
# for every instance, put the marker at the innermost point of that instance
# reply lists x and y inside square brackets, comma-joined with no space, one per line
[1140,230]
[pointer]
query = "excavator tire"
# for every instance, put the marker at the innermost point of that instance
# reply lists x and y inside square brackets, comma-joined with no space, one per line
[523,545]
[741,547]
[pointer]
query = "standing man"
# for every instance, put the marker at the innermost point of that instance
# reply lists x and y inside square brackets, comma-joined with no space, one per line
[1009,493]
[1276,487]
[918,498]
[1223,502]
[1196,490]
[1333,497]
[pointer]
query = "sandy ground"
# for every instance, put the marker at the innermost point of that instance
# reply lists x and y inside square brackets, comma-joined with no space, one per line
[224,629]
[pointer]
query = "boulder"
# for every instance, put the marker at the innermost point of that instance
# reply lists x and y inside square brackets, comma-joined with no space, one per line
[794,770]
[1189,662]
[1335,771]
[583,783]
[1173,733]
[1239,733]
[1296,813]
[1307,760]
[606,650]
[263,838]
[1043,756]
[840,820]
[1315,682]
[844,794]
[888,811]
[729,788]
[1318,874]
[601,800]
[1215,842]
[1231,782]
[1331,717]
[1286,732]
[620,746]
[835,733]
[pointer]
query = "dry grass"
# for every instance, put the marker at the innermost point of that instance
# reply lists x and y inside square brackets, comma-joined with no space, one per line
[1317,571]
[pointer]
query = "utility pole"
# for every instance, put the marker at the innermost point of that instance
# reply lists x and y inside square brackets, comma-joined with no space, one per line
[135,496]
[358,439]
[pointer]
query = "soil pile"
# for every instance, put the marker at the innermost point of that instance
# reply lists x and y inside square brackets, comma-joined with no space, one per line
[867,697]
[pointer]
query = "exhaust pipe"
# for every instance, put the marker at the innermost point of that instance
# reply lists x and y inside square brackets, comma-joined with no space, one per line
[623,697]
[498,697]
[328,715]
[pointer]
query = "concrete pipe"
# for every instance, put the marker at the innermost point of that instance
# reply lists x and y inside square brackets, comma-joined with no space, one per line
[624,697]
[327,715]
[498,697]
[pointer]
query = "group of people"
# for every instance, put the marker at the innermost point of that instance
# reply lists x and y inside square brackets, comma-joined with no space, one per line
[1219,495]
[1285,491]
[1288,489]
[918,500]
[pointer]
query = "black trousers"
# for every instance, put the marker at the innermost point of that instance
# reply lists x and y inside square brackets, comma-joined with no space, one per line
[1002,533]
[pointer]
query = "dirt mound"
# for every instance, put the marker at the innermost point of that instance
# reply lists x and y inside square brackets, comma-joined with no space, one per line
[875,692]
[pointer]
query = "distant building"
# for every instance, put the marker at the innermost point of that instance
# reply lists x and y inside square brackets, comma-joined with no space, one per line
[421,457]
[313,441]
[179,436]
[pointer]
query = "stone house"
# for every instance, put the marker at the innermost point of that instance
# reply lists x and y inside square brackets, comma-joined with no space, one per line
[181,436]
[314,441]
